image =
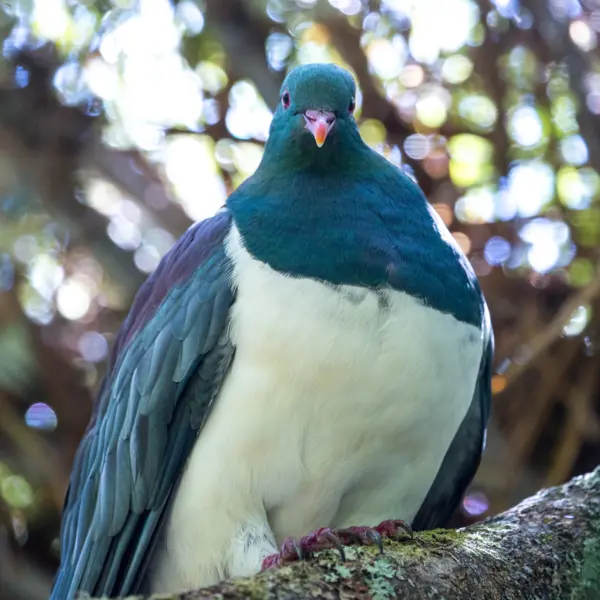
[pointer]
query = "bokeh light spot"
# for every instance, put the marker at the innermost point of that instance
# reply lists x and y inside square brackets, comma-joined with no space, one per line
[475,504]
[578,321]
[41,416]
[417,146]
[531,186]
[573,150]
[457,69]
[499,383]
[525,126]
[73,299]
[476,206]
[582,34]
[189,13]
[479,111]
[373,132]
[462,239]
[431,110]
[496,251]
[387,57]
[146,258]
[412,76]
[470,156]
[93,346]
[16,491]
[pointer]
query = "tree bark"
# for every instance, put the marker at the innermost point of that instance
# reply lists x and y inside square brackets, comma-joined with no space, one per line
[547,547]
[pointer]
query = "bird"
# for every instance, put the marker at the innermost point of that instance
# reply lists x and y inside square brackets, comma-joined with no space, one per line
[309,367]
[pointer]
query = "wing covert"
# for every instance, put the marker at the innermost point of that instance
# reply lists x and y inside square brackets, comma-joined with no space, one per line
[165,369]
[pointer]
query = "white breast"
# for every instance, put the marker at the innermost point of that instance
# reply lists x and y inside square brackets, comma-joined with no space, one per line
[338,410]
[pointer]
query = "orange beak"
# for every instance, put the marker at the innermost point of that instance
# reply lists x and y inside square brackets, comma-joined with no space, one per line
[319,123]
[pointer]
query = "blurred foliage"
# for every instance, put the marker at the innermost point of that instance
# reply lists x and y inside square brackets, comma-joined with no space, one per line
[123,121]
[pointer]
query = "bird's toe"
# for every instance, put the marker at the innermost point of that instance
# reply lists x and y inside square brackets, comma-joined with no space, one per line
[327,538]
[391,528]
[293,549]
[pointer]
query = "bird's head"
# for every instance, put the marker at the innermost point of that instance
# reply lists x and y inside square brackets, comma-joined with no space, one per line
[314,122]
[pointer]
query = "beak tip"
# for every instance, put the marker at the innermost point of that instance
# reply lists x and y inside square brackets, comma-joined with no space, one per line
[320,139]
[319,124]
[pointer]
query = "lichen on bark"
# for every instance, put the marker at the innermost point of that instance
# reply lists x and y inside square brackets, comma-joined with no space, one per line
[546,547]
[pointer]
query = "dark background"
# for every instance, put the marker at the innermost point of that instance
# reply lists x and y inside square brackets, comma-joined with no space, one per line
[122,122]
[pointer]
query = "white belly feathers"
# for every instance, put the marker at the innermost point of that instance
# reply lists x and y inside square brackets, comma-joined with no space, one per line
[338,410]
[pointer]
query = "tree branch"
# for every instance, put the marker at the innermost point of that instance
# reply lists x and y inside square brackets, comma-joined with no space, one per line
[546,547]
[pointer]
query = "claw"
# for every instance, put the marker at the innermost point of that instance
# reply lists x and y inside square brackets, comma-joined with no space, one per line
[399,524]
[335,540]
[298,548]
[375,537]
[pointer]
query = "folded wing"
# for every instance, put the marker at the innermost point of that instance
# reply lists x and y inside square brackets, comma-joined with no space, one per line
[166,368]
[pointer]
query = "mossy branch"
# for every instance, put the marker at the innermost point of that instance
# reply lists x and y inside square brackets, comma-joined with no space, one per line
[546,547]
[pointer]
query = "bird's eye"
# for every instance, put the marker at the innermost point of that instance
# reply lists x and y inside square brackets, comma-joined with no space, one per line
[351,106]
[285,99]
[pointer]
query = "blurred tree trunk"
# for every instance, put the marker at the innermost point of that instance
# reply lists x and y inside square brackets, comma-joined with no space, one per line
[546,547]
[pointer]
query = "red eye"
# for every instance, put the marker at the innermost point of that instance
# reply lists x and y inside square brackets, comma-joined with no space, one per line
[351,106]
[285,99]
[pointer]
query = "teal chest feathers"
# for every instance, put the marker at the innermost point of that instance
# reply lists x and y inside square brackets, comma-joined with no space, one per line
[357,233]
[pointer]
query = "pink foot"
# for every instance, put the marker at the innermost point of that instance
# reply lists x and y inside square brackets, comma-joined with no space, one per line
[327,538]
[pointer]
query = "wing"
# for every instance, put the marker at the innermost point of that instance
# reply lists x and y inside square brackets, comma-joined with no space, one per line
[166,367]
[464,454]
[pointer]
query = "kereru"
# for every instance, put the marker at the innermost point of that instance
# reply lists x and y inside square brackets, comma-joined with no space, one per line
[315,357]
